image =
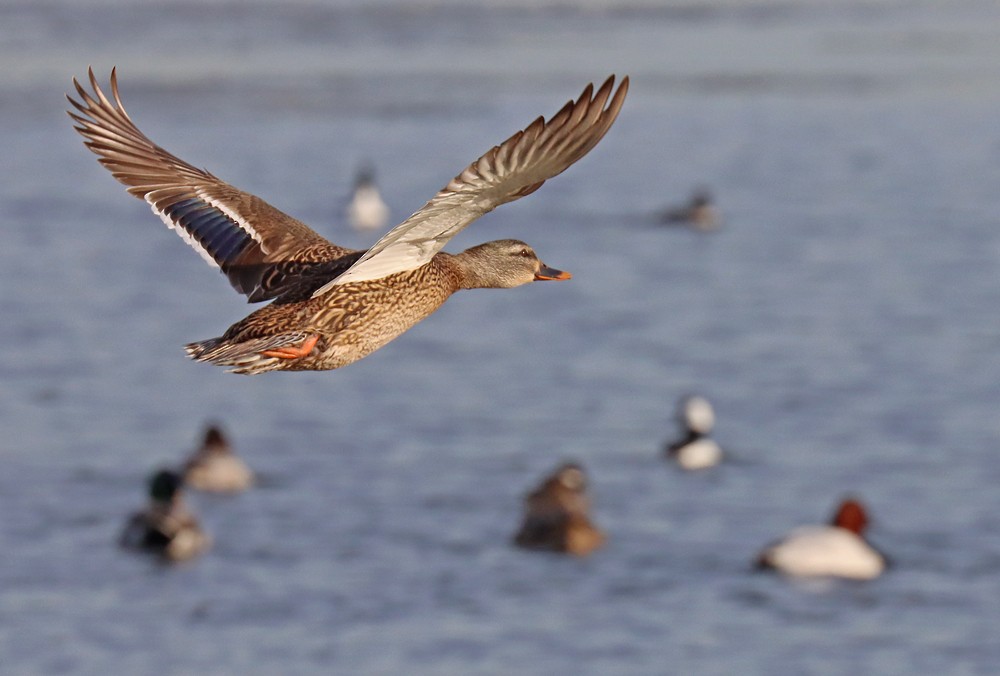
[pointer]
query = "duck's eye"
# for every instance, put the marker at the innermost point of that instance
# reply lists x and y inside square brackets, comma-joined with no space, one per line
[525,253]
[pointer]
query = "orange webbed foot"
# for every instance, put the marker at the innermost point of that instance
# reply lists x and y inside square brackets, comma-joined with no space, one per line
[295,351]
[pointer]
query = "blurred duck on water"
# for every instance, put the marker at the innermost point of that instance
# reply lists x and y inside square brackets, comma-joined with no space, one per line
[214,467]
[165,527]
[836,550]
[557,515]
[333,306]
[695,449]
[366,210]
[700,212]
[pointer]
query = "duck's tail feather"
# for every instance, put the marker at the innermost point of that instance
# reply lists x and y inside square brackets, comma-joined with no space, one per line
[245,357]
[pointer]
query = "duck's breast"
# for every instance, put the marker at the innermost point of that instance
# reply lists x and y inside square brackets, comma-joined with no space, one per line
[825,551]
[698,454]
[370,314]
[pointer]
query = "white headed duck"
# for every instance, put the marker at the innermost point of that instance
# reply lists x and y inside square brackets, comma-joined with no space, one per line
[366,210]
[695,450]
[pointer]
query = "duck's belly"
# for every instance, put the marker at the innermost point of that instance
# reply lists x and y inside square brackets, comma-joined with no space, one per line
[366,319]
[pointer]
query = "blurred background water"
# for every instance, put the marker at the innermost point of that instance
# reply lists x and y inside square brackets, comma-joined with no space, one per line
[843,321]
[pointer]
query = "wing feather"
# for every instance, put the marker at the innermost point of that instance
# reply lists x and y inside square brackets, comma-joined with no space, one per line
[509,171]
[232,230]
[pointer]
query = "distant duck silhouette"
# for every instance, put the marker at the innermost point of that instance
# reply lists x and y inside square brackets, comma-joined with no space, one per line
[215,468]
[695,450]
[166,527]
[556,515]
[837,550]
[366,210]
[700,212]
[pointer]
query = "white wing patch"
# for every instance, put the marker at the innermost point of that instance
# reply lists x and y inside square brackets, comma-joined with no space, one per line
[235,217]
[184,234]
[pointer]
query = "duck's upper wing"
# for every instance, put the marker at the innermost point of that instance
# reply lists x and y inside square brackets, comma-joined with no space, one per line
[511,170]
[260,249]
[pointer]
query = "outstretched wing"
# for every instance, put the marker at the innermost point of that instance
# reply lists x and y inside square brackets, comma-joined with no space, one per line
[260,249]
[509,171]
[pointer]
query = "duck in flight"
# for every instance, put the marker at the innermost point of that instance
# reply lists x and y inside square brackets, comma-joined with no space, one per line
[331,305]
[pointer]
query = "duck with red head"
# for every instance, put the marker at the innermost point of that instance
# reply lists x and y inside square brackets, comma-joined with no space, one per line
[215,468]
[837,550]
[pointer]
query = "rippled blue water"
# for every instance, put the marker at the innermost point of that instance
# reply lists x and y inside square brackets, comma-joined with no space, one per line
[843,321]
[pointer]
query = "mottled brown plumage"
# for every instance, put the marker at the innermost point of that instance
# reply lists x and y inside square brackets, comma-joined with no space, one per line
[332,306]
[557,515]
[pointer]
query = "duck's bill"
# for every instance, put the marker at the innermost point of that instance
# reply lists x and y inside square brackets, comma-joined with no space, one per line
[547,273]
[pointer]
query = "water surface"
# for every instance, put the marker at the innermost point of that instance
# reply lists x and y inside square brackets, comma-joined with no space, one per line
[843,321]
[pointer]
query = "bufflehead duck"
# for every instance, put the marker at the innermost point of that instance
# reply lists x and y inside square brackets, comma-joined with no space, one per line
[696,450]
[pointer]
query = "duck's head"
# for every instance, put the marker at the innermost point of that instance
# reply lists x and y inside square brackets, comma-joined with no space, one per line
[164,485]
[696,415]
[215,441]
[701,198]
[564,489]
[365,176]
[504,264]
[851,515]
[571,477]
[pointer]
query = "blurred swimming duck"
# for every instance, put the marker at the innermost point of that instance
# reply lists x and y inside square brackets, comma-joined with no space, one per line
[215,468]
[366,210]
[166,527]
[333,306]
[556,515]
[837,550]
[695,450]
[699,212]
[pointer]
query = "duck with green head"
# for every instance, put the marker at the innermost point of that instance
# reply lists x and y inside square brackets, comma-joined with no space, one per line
[165,527]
